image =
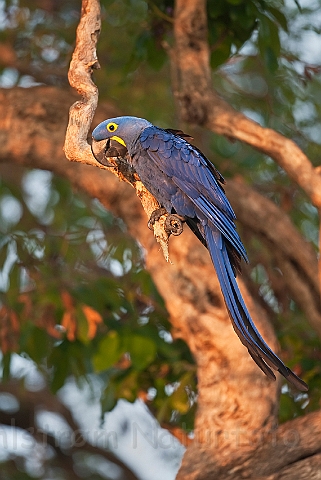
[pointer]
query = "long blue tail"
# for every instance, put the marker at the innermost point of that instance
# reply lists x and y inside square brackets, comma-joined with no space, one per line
[241,320]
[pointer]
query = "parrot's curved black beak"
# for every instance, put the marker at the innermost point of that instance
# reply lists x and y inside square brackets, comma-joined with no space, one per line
[100,151]
[107,148]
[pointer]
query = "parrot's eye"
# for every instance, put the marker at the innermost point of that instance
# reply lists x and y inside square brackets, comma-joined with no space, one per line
[111,127]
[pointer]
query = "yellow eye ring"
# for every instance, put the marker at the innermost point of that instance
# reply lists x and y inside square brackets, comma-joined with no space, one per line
[112,127]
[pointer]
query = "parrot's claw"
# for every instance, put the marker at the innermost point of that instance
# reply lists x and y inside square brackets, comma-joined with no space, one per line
[174,224]
[155,216]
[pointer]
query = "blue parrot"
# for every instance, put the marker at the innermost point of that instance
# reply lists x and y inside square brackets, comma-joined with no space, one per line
[188,187]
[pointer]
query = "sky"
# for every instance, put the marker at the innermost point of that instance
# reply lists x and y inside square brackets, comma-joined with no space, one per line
[129,430]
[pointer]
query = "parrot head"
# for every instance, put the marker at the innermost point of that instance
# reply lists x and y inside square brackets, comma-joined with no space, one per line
[124,130]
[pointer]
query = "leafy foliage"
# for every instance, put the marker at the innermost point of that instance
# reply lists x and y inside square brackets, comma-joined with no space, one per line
[76,300]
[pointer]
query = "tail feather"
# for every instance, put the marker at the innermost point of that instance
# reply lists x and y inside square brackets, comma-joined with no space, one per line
[261,353]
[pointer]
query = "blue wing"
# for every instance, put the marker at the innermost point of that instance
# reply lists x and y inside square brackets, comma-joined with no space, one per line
[200,194]
[197,178]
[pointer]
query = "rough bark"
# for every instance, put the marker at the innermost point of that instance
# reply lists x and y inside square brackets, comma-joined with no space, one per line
[291,452]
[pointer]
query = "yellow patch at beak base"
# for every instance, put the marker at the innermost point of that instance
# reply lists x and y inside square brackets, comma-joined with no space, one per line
[119,140]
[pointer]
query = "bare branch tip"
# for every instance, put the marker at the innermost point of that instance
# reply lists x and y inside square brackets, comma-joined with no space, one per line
[162,237]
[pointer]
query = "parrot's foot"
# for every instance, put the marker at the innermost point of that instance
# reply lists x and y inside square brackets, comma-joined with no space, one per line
[155,216]
[174,224]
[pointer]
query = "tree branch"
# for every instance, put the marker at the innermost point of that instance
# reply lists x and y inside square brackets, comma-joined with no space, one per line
[84,60]
[77,149]
[200,104]
[290,452]
[289,445]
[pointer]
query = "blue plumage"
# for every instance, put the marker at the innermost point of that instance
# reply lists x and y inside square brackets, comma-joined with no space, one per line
[186,183]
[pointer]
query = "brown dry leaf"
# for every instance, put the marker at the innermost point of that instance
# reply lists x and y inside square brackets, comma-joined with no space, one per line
[69,319]
[9,330]
[143,396]
[93,318]
[67,300]
[124,362]
[70,325]
[25,299]
[48,321]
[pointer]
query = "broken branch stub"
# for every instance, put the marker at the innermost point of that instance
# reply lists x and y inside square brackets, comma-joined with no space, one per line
[76,147]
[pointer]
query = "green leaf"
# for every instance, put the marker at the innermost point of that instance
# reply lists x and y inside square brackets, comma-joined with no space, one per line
[298,5]
[179,399]
[221,53]
[35,343]
[235,2]
[82,326]
[270,59]
[216,8]
[280,18]
[269,33]
[14,288]
[147,48]
[60,361]
[269,42]
[108,398]
[128,387]
[142,351]
[4,252]
[156,55]
[109,352]
[5,364]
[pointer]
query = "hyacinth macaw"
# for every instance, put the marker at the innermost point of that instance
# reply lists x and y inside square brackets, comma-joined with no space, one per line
[188,186]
